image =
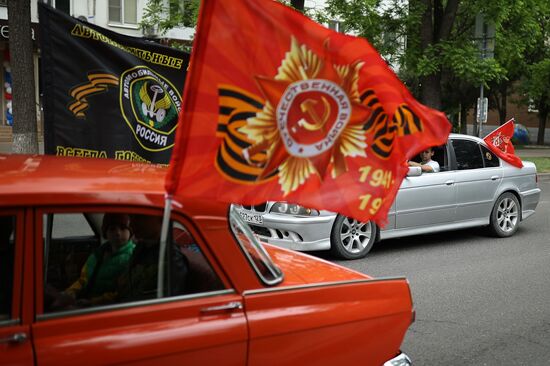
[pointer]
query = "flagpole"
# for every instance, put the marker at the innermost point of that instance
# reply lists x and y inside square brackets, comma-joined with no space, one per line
[162,247]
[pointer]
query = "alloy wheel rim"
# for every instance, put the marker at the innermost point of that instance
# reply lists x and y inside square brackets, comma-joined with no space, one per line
[355,235]
[507,215]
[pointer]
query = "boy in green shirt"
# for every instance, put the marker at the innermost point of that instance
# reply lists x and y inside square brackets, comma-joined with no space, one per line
[98,279]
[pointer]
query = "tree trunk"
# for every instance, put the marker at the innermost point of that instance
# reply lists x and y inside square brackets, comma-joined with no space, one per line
[426,27]
[463,119]
[25,138]
[502,100]
[436,25]
[431,90]
[298,4]
[543,115]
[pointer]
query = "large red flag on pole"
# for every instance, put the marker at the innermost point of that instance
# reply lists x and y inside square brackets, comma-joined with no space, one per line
[500,142]
[277,107]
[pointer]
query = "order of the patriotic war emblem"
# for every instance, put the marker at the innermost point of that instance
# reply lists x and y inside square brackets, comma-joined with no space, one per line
[150,106]
[311,119]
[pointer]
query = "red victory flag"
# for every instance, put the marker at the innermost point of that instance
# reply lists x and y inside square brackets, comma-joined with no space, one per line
[277,107]
[500,142]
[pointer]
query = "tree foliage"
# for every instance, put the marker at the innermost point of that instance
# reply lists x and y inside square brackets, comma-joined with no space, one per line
[431,45]
[159,16]
[535,81]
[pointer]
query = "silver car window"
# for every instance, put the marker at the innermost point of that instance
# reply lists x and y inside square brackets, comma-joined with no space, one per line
[489,158]
[468,154]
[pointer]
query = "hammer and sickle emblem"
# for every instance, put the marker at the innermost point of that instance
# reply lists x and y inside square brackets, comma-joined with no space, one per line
[308,107]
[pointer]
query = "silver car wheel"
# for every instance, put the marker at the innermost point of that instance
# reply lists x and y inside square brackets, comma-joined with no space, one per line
[355,235]
[351,239]
[507,215]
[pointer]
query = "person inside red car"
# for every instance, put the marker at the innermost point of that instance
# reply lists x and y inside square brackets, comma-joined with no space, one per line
[97,284]
[139,282]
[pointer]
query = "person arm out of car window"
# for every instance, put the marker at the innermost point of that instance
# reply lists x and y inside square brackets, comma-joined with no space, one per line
[427,164]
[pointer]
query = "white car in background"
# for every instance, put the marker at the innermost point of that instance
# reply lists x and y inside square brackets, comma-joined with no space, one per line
[473,188]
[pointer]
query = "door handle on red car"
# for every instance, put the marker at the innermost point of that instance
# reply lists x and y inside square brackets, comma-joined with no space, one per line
[450,182]
[234,305]
[15,338]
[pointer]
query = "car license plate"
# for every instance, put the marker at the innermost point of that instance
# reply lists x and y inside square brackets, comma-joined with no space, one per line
[252,218]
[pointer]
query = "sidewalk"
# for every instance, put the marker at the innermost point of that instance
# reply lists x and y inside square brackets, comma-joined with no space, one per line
[533,152]
[5,147]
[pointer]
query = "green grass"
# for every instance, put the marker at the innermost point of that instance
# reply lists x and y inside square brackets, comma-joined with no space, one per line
[543,164]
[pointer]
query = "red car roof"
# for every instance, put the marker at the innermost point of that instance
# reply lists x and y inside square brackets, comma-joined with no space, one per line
[41,179]
[48,174]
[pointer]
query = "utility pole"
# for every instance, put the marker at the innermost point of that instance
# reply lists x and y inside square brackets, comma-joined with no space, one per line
[485,36]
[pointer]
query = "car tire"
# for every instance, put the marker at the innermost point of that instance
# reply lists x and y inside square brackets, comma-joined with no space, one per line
[351,239]
[505,216]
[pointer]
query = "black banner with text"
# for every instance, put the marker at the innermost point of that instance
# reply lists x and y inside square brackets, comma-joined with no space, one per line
[106,94]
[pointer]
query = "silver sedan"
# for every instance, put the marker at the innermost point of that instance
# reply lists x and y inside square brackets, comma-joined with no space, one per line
[473,188]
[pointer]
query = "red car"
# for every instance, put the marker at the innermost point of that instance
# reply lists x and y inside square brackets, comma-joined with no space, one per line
[85,280]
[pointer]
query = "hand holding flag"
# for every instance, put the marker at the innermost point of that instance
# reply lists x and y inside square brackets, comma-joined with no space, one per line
[278,107]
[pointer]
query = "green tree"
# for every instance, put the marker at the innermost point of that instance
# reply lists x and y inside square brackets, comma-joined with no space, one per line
[159,16]
[430,43]
[382,26]
[514,41]
[438,38]
[540,72]
[463,70]
[535,84]
[25,137]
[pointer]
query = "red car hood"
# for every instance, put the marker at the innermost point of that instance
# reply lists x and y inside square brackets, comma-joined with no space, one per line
[299,268]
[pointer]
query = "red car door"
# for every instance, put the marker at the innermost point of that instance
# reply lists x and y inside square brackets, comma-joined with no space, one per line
[206,327]
[15,342]
[358,322]
[179,332]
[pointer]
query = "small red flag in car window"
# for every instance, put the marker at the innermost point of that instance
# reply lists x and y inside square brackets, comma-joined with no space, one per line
[277,107]
[500,142]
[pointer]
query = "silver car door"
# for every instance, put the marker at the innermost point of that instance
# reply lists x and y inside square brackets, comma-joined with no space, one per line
[429,199]
[477,181]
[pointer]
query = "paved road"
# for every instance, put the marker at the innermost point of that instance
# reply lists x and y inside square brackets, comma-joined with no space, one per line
[479,300]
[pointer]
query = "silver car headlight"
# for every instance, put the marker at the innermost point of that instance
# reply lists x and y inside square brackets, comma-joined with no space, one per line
[293,209]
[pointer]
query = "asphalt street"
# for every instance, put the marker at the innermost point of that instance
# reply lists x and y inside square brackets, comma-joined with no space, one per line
[479,300]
